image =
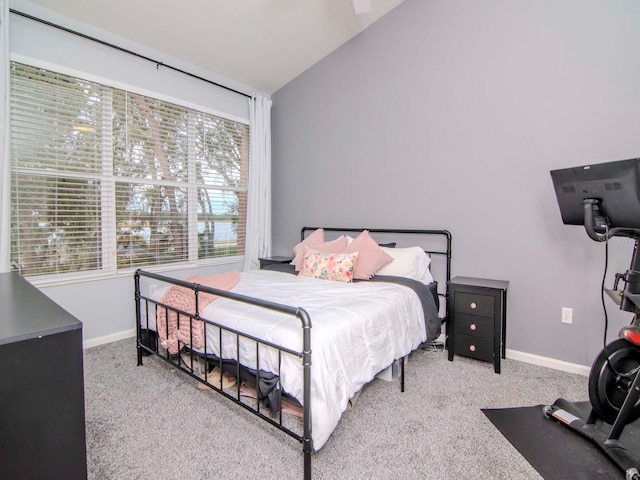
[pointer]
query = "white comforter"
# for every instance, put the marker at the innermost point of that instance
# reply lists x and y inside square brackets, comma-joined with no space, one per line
[358,329]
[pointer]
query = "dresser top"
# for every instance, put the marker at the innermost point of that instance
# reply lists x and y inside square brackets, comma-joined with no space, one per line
[26,312]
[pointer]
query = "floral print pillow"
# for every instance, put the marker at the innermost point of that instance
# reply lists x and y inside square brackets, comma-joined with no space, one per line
[329,266]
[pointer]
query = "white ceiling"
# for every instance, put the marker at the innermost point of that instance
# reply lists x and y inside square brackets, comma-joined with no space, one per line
[260,43]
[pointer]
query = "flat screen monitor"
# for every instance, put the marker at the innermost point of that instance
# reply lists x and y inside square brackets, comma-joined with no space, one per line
[616,185]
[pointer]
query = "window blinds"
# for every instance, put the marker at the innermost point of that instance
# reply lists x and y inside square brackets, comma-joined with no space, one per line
[105,179]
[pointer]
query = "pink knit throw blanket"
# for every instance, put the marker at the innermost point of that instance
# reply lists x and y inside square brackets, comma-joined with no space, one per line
[184,299]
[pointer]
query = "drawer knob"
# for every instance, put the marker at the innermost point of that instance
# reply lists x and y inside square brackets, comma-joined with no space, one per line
[473,305]
[472,348]
[472,326]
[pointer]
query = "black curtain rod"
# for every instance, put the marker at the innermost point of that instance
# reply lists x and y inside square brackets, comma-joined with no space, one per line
[102,42]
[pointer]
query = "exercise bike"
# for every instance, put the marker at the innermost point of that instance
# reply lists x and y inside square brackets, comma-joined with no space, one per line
[614,383]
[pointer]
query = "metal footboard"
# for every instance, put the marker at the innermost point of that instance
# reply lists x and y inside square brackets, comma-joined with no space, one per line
[145,304]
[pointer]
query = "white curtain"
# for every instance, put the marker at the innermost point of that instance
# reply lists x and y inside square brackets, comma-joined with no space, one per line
[5,169]
[258,240]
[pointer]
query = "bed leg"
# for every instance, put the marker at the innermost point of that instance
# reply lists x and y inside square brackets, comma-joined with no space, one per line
[136,280]
[307,460]
[402,374]
[138,348]
[139,353]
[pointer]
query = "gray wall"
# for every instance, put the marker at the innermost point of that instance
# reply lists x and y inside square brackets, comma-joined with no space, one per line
[450,114]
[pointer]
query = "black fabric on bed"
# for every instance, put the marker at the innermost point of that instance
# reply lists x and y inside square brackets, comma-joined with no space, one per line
[268,383]
[428,295]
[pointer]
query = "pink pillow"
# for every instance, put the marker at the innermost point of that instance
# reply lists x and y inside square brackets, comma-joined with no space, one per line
[335,246]
[338,267]
[316,237]
[371,258]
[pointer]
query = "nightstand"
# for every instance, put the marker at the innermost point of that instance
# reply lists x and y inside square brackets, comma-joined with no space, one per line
[476,326]
[274,260]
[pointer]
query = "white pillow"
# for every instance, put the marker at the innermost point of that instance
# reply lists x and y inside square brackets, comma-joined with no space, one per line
[411,262]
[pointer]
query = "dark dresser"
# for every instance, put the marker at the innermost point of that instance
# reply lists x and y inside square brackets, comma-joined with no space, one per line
[42,416]
[476,326]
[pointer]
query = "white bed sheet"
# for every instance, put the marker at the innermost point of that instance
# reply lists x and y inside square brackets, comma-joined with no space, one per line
[358,329]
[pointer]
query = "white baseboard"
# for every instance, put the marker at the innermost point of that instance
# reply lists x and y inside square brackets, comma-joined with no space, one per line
[511,354]
[94,342]
[548,362]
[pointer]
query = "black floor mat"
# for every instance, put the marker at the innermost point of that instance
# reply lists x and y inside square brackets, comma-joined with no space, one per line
[555,451]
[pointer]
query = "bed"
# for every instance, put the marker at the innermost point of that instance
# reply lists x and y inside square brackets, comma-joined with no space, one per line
[294,340]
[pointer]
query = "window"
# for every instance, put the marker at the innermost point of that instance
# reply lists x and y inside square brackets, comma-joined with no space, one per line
[106,179]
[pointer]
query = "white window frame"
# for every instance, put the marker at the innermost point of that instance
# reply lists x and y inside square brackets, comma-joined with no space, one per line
[109,261]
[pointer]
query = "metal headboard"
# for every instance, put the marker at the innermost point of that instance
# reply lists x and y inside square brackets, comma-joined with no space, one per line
[446,252]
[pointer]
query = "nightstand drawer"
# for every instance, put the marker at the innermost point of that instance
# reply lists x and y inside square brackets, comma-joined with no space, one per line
[474,304]
[474,347]
[474,326]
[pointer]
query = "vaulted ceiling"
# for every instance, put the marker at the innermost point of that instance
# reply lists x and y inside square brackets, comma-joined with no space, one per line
[260,43]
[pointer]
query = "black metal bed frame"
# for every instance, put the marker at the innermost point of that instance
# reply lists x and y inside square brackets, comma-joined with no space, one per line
[146,347]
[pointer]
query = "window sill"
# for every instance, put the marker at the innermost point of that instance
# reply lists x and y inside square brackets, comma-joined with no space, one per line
[57,280]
